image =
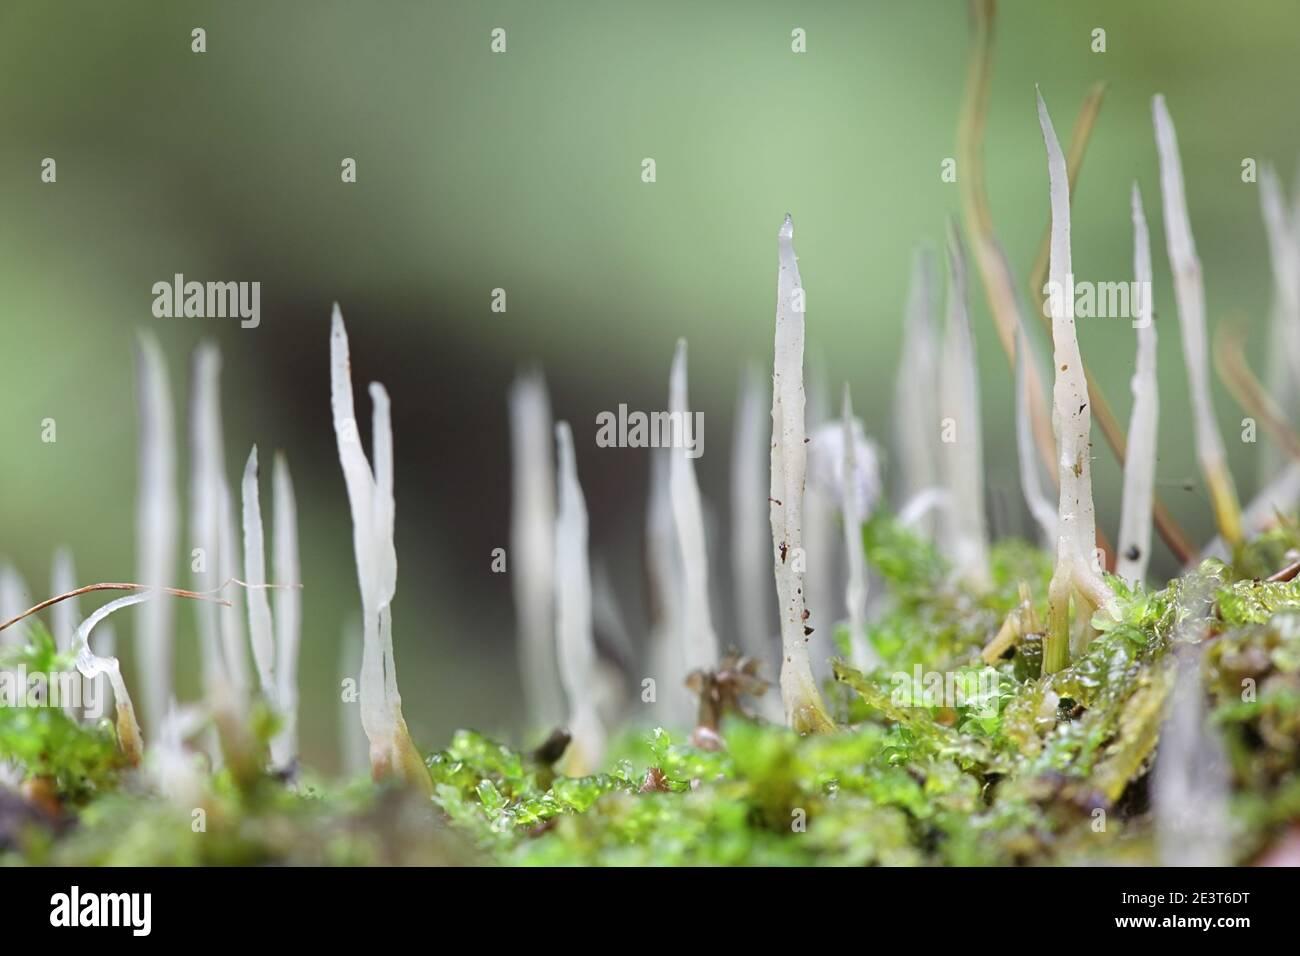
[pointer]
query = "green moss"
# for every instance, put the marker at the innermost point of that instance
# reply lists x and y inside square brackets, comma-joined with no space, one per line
[1021,768]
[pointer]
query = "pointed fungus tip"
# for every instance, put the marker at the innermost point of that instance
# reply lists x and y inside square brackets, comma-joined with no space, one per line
[787,228]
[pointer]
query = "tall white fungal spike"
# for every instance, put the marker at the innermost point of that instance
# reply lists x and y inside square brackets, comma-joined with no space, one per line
[288,611]
[64,615]
[575,642]
[259,606]
[1076,575]
[699,642]
[1189,294]
[206,523]
[821,505]
[968,542]
[663,557]
[1140,468]
[370,498]
[91,666]
[1283,370]
[532,547]
[751,586]
[916,410]
[1191,786]
[804,710]
[156,528]
[862,654]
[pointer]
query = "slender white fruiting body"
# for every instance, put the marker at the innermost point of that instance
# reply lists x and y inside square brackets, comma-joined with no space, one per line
[663,558]
[1191,783]
[156,528]
[821,536]
[967,533]
[861,653]
[699,643]
[1076,574]
[575,643]
[804,710]
[64,616]
[916,409]
[1189,295]
[1031,483]
[532,547]
[370,499]
[207,486]
[260,631]
[92,665]
[1283,372]
[1140,467]
[751,587]
[288,611]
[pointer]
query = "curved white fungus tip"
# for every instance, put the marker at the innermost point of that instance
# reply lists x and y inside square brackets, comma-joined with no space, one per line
[90,665]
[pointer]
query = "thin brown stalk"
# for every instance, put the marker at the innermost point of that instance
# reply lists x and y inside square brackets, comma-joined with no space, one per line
[990,259]
[1247,390]
[109,586]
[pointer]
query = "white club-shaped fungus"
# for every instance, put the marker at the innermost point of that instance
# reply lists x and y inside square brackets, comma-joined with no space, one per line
[752,587]
[916,409]
[91,666]
[532,546]
[575,643]
[804,710]
[966,534]
[699,642]
[862,655]
[370,498]
[259,606]
[1283,373]
[1075,575]
[156,531]
[288,611]
[1189,295]
[1140,466]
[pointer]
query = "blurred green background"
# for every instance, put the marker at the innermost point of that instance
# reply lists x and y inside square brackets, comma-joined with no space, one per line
[522,171]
